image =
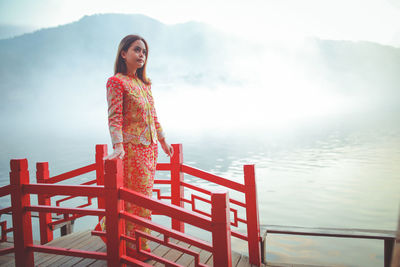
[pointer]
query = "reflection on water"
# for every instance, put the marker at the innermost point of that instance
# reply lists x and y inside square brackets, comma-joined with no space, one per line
[339,178]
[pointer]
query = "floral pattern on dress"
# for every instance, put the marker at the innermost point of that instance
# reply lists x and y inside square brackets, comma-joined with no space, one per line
[131,113]
[133,121]
[139,169]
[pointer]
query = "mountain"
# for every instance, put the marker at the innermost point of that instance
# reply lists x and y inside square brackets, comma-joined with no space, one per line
[78,55]
[363,68]
[9,31]
[59,74]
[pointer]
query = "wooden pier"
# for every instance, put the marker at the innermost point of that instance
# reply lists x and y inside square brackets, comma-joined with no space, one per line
[170,245]
[108,184]
[85,241]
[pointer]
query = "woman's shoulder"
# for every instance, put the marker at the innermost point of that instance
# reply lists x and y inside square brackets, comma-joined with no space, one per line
[115,80]
[116,77]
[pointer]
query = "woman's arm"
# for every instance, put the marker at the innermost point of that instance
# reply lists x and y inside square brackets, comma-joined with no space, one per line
[168,149]
[160,133]
[115,117]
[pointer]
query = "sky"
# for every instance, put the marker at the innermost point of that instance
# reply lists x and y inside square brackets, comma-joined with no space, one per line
[367,20]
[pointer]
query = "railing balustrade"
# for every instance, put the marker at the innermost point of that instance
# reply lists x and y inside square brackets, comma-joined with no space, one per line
[109,182]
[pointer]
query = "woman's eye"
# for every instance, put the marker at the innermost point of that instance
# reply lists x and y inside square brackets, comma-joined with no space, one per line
[138,50]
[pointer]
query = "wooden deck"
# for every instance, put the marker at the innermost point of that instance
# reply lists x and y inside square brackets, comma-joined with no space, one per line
[85,241]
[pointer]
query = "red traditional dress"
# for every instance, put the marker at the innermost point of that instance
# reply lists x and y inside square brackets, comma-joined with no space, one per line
[132,120]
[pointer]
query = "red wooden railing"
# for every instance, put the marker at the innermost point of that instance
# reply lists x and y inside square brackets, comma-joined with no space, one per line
[178,169]
[217,222]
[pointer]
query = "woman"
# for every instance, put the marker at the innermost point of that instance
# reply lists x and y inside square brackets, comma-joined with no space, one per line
[134,126]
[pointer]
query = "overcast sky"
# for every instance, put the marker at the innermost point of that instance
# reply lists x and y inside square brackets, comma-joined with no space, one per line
[370,20]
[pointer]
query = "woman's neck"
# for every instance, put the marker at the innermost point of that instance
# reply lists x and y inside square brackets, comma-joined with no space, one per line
[131,72]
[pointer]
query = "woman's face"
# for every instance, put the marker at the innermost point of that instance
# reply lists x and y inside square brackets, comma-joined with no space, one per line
[135,56]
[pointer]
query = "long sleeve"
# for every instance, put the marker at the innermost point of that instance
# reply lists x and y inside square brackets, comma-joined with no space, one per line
[115,91]
[160,132]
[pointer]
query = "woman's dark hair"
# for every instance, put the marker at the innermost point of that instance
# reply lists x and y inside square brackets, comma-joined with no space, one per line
[120,66]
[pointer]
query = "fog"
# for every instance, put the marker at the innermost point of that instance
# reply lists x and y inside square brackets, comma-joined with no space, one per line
[318,117]
[204,80]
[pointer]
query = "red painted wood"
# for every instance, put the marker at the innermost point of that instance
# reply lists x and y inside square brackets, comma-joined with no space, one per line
[5,251]
[239,235]
[42,175]
[213,178]
[5,190]
[72,218]
[101,152]
[58,202]
[133,262]
[22,222]
[167,231]
[221,233]
[162,181]
[253,224]
[3,226]
[98,233]
[163,167]
[165,241]
[166,209]
[71,190]
[69,252]
[93,212]
[177,190]
[219,224]
[193,187]
[236,202]
[6,210]
[113,181]
[72,174]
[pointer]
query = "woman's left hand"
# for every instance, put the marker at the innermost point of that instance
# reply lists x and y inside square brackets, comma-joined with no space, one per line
[166,147]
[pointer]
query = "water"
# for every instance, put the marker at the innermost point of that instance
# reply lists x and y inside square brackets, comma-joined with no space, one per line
[341,174]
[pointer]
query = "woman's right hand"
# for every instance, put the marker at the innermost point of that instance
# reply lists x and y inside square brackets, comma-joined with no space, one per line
[119,152]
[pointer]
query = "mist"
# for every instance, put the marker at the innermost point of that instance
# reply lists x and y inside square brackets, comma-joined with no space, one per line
[203,79]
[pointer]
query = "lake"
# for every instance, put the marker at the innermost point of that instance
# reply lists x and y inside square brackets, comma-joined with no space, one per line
[334,172]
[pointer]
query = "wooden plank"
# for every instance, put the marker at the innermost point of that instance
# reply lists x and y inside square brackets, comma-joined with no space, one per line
[186,259]
[100,263]
[210,261]
[173,255]
[396,247]
[333,232]
[243,262]
[235,258]
[94,246]
[58,260]
[4,259]
[279,264]
[160,251]
[204,257]
[69,241]
[93,243]
[103,248]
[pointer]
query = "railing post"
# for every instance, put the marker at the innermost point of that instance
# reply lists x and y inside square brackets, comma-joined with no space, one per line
[177,190]
[396,249]
[221,232]
[253,223]
[22,221]
[114,226]
[42,174]
[101,152]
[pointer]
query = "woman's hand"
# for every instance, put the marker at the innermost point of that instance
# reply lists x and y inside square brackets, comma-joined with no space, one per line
[118,152]
[166,147]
